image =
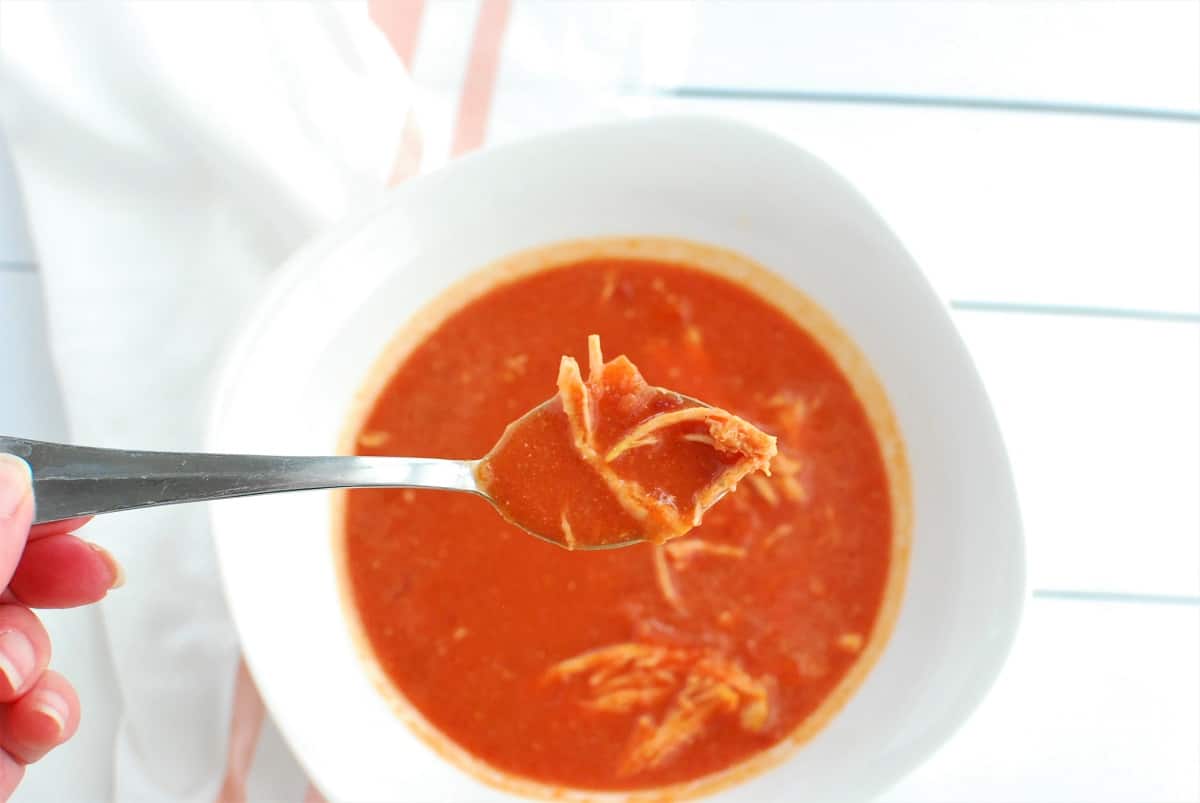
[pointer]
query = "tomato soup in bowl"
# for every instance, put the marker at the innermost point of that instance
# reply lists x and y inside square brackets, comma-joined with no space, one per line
[656,667]
[819,633]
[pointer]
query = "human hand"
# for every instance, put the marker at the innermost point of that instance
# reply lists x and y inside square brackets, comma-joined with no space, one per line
[42,567]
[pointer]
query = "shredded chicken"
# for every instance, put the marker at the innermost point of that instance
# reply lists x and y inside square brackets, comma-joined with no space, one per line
[666,583]
[576,405]
[638,677]
[655,423]
[624,701]
[374,438]
[683,551]
[627,444]
[595,358]
[788,470]
[850,642]
[617,656]
[610,285]
[780,531]
[699,701]
[793,489]
[763,487]
[791,411]
[568,533]
[714,686]
[514,367]
[697,686]
[726,432]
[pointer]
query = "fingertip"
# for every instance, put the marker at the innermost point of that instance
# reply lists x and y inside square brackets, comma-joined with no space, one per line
[41,720]
[48,715]
[16,512]
[18,662]
[116,570]
[24,651]
[62,571]
[16,484]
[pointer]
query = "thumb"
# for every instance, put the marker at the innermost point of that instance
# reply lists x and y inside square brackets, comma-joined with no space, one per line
[16,513]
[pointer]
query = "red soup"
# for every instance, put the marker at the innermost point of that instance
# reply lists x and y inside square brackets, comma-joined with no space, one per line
[649,665]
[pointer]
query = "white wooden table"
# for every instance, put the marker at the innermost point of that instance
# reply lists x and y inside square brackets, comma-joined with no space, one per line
[1042,163]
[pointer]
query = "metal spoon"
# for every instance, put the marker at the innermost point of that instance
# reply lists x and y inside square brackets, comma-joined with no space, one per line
[71,481]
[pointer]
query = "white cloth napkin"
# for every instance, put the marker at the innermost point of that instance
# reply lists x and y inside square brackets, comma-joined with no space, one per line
[170,156]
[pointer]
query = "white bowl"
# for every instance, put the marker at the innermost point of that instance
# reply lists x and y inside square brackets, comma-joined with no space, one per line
[290,380]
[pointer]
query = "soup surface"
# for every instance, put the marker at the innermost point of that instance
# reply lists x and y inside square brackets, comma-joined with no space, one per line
[648,665]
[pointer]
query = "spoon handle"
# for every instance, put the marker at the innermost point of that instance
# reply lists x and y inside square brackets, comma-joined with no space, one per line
[71,481]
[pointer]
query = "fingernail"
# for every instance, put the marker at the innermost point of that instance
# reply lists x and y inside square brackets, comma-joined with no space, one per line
[17,658]
[118,573]
[15,482]
[54,707]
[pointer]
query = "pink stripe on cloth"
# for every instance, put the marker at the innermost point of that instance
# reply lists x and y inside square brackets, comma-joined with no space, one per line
[400,21]
[408,160]
[313,796]
[480,83]
[245,724]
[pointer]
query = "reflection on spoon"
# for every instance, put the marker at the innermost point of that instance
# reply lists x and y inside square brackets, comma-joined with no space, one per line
[609,461]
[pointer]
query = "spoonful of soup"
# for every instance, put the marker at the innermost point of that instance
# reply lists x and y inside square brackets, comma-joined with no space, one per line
[612,459]
[609,460]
